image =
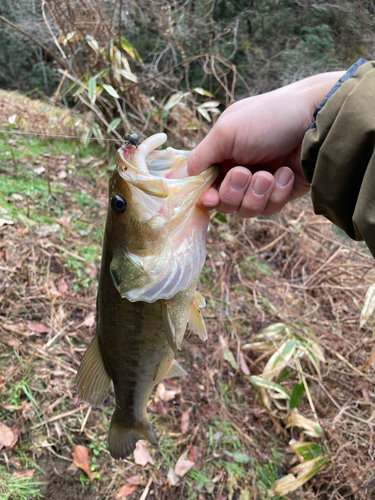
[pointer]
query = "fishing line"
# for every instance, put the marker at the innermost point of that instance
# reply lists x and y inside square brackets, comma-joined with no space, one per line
[56,135]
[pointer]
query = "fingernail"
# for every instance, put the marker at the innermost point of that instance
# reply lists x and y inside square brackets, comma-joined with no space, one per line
[238,180]
[261,184]
[283,176]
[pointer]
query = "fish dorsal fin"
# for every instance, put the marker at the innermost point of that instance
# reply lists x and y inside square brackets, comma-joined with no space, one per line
[175,370]
[92,378]
[169,329]
[196,321]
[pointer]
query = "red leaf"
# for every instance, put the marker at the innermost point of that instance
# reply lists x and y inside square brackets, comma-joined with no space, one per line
[8,436]
[38,327]
[134,480]
[81,459]
[125,491]
[142,455]
[185,422]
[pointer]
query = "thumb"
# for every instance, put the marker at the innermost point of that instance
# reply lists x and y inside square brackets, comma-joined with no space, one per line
[213,149]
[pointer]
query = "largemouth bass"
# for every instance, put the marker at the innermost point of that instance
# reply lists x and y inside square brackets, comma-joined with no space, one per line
[153,252]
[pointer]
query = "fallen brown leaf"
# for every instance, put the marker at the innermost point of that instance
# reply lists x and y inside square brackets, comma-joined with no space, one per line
[38,327]
[2,383]
[142,455]
[125,491]
[3,222]
[24,474]
[185,419]
[164,394]
[244,368]
[14,343]
[134,480]
[89,319]
[172,477]
[81,459]
[28,412]
[183,466]
[8,436]
[65,221]
[62,287]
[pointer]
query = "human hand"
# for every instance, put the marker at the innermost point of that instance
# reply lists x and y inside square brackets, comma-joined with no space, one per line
[258,142]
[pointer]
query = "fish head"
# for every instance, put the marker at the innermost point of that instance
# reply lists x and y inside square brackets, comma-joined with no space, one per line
[154,231]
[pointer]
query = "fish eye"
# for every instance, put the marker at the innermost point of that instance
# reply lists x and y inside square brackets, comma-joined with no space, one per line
[118,204]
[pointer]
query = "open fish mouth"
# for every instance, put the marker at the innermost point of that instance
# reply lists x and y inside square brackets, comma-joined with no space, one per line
[163,202]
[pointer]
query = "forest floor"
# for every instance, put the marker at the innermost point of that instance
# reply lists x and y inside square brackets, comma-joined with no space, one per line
[292,274]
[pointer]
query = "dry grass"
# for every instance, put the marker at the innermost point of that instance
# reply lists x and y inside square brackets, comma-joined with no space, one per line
[293,268]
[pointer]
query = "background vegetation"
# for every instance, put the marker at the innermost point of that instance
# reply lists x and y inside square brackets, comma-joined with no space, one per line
[283,388]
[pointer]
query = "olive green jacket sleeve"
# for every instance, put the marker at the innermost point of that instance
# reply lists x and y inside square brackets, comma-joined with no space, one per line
[338,157]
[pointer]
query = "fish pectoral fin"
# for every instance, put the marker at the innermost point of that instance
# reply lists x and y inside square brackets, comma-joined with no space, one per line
[169,329]
[175,370]
[92,378]
[122,439]
[195,319]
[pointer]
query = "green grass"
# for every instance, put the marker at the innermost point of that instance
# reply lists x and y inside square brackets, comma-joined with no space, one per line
[16,488]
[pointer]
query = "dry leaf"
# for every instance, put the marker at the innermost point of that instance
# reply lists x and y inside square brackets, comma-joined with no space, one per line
[8,436]
[244,368]
[65,221]
[14,343]
[81,459]
[125,491]
[164,394]
[28,411]
[3,222]
[172,477]
[134,480]
[2,383]
[185,422]
[183,466]
[38,327]
[142,455]
[24,474]
[62,287]
[89,319]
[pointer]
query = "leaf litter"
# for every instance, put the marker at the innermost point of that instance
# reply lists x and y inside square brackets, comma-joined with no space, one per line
[292,270]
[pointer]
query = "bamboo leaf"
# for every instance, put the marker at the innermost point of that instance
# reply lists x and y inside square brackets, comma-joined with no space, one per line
[296,394]
[201,91]
[129,49]
[111,91]
[114,123]
[266,384]
[205,114]
[92,89]
[128,75]
[306,451]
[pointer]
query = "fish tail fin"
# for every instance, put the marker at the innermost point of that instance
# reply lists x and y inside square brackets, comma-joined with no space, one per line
[122,439]
[195,318]
[92,378]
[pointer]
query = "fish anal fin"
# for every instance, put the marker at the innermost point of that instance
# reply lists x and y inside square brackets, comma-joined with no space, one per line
[122,439]
[169,329]
[175,370]
[195,318]
[92,378]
